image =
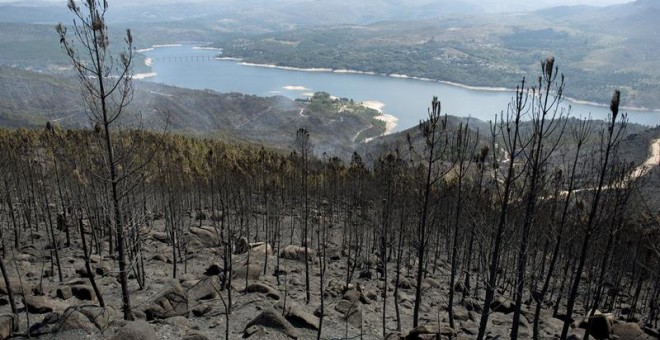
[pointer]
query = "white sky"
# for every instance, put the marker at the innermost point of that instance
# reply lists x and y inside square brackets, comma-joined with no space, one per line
[544,2]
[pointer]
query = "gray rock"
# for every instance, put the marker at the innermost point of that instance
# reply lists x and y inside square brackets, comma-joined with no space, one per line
[260,287]
[86,319]
[205,289]
[271,319]
[202,309]
[193,335]
[299,317]
[63,292]
[293,252]
[628,330]
[253,272]
[7,323]
[172,301]
[49,324]
[502,305]
[422,331]
[83,292]
[38,304]
[213,269]
[405,283]
[135,330]
[600,327]
[161,237]
[461,314]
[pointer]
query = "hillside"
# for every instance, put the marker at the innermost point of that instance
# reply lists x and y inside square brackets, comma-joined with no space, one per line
[29,99]
[487,50]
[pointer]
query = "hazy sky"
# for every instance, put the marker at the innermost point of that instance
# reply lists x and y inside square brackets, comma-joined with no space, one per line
[489,6]
[545,2]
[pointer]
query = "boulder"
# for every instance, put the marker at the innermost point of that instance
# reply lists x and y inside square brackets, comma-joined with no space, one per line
[50,324]
[404,283]
[600,326]
[299,317]
[253,272]
[354,296]
[350,311]
[628,330]
[271,319]
[172,301]
[502,305]
[63,292]
[344,306]
[205,289]
[83,292]
[395,336]
[461,314]
[99,316]
[261,249]
[430,331]
[7,323]
[75,321]
[203,233]
[135,330]
[297,253]
[334,288]
[161,258]
[202,309]
[193,335]
[430,283]
[260,287]
[88,319]
[161,237]
[213,269]
[101,269]
[38,304]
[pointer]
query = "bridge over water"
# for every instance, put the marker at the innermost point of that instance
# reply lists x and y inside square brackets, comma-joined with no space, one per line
[182,58]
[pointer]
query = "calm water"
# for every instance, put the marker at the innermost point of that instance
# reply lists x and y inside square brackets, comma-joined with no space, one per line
[407,99]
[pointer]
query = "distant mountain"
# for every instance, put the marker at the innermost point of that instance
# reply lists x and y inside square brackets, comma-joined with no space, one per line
[598,48]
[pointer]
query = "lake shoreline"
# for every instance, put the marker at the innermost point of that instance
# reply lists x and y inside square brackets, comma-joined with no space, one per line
[404,99]
[404,76]
[242,61]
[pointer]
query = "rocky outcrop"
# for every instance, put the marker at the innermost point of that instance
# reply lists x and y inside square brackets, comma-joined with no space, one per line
[297,253]
[205,289]
[299,317]
[263,288]
[173,301]
[88,319]
[271,319]
[430,331]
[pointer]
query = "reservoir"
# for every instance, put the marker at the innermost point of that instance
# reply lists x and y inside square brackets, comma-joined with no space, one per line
[407,99]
